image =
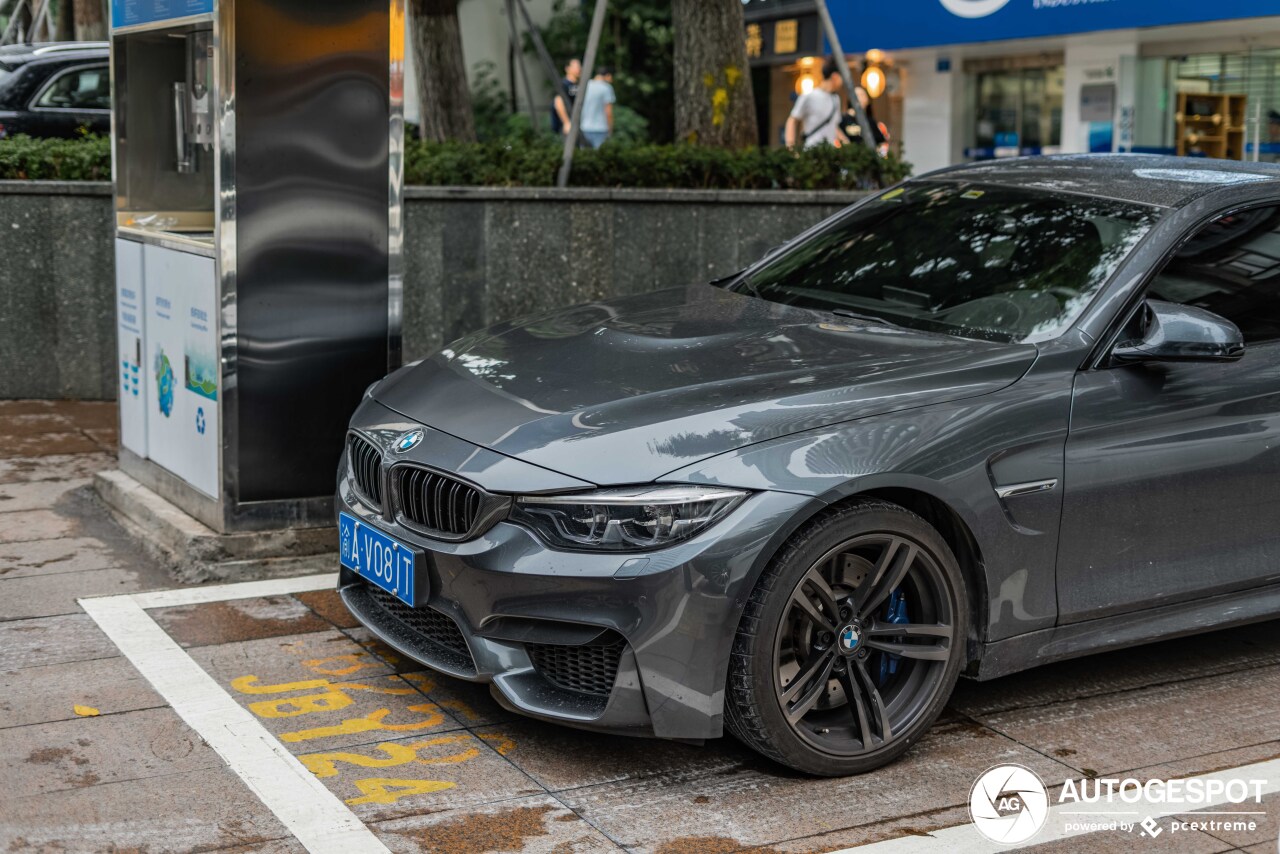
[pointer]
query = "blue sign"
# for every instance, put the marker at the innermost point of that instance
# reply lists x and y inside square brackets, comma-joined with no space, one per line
[130,13]
[929,23]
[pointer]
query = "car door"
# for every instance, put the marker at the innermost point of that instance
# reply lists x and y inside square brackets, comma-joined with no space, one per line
[1172,475]
[73,98]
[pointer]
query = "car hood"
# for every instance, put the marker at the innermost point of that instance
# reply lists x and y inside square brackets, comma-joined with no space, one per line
[627,390]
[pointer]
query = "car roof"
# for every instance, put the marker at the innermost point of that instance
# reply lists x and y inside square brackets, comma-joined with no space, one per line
[1147,179]
[14,55]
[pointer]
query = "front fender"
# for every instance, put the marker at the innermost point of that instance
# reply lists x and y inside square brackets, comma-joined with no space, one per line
[957,453]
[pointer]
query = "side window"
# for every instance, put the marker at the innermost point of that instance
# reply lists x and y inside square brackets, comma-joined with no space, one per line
[78,89]
[1232,268]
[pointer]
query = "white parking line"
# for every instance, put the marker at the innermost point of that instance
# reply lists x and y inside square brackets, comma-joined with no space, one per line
[314,815]
[965,838]
[229,592]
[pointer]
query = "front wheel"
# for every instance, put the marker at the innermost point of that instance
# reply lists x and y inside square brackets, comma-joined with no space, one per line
[851,642]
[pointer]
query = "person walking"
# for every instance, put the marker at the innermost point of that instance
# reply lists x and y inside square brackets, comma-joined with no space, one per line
[597,110]
[562,111]
[817,115]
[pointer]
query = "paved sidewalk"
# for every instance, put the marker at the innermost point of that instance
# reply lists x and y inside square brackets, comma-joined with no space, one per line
[92,758]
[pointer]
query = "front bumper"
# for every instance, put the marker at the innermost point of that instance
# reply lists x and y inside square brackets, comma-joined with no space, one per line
[625,643]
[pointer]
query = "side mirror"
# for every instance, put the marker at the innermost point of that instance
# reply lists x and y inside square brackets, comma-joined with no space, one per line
[1182,333]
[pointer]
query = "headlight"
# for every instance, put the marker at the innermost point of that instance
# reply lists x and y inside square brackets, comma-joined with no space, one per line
[625,520]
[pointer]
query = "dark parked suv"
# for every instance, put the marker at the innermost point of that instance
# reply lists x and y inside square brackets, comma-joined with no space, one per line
[55,89]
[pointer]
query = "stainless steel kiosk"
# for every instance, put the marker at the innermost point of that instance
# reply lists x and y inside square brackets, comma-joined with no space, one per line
[257,168]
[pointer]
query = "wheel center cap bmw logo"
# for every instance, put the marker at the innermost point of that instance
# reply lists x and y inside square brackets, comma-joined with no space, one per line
[850,638]
[409,441]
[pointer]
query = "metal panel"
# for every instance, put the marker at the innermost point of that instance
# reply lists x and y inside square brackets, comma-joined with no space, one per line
[395,199]
[311,121]
[224,235]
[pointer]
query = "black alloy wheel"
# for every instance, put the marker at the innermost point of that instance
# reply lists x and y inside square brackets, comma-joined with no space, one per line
[851,643]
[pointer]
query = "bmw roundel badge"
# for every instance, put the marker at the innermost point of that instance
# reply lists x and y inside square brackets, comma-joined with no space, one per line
[409,441]
[850,638]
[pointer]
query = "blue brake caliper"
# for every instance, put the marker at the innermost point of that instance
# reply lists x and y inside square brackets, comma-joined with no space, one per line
[895,611]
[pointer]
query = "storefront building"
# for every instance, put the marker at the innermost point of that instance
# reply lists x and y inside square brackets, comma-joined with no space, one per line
[982,79]
[786,47]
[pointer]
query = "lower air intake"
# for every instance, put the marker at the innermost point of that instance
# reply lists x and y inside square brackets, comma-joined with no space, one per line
[588,669]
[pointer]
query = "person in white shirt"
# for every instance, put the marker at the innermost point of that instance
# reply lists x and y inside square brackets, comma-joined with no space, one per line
[817,115]
[597,110]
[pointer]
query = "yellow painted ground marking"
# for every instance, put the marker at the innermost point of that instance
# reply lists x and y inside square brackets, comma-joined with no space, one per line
[381,650]
[292,707]
[86,711]
[394,692]
[422,680]
[247,685]
[461,708]
[333,698]
[503,744]
[370,723]
[326,764]
[380,790]
[331,666]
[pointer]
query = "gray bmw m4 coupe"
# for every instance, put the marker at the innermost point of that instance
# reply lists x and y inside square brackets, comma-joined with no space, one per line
[997,416]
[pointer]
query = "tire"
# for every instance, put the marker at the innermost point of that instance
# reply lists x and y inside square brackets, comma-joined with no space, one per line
[896,648]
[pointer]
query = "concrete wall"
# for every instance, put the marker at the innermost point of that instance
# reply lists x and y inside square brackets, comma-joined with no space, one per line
[57,291]
[473,257]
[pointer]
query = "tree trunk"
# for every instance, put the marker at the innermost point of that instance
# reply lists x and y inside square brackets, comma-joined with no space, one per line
[23,28]
[445,94]
[91,22]
[714,101]
[66,20]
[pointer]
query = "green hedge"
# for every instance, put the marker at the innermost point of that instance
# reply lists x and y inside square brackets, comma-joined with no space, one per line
[535,164]
[25,159]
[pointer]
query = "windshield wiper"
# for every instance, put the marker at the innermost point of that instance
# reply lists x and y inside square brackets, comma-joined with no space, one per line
[866,318]
[724,280]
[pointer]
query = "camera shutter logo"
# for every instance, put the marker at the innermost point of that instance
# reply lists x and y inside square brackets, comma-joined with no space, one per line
[973,8]
[1009,804]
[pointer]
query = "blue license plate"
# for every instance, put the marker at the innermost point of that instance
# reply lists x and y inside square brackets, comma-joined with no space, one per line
[377,557]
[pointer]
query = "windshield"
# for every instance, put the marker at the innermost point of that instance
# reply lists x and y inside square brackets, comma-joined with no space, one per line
[976,261]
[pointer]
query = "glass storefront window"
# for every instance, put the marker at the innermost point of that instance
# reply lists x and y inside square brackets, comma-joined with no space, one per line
[1018,111]
[999,97]
[1042,108]
[1262,112]
[1220,105]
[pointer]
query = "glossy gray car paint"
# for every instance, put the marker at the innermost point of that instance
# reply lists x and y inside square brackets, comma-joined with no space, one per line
[625,391]
[697,385]
[671,606]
